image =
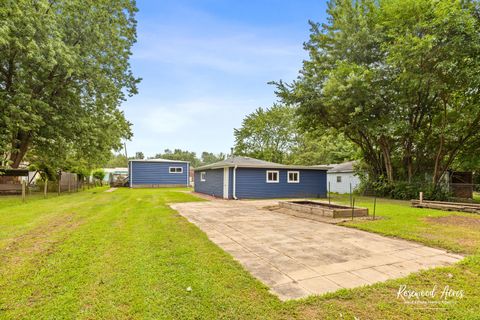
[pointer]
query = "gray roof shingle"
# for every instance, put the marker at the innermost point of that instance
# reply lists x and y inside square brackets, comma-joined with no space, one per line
[247,162]
[344,167]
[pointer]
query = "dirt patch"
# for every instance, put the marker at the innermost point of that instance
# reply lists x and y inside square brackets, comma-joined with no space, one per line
[201,195]
[459,232]
[460,221]
[41,240]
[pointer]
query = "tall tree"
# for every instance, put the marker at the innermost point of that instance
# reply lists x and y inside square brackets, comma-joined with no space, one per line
[274,135]
[179,154]
[209,157]
[399,78]
[64,70]
[323,147]
[117,160]
[267,134]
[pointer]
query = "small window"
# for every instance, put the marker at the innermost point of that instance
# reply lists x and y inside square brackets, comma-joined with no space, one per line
[293,176]
[272,176]
[203,176]
[339,179]
[176,170]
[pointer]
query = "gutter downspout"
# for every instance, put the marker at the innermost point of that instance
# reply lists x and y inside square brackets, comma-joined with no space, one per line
[130,173]
[188,174]
[234,183]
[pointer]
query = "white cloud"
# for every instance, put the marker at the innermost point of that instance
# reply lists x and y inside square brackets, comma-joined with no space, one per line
[201,76]
[190,124]
[224,47]
[174,117]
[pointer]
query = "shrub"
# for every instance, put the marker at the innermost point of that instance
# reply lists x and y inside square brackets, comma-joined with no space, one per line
[404,190]
[98,175]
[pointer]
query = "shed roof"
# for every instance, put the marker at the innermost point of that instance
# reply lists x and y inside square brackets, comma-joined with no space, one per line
[247,162]
[343,167]
[158,160]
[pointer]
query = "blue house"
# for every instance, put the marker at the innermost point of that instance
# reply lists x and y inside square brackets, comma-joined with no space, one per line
[248,178]
[155,173]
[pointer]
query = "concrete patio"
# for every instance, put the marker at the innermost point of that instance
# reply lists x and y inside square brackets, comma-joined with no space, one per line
[297,257]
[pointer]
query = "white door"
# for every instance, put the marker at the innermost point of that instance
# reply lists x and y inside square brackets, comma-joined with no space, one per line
[225,183]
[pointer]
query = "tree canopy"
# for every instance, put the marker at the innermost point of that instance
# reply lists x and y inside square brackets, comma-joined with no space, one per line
[267,134]
[179,154]
[209,157]
[184,155]
[64,70]
[322,147]
[274,134]
[117,161]
[399,78]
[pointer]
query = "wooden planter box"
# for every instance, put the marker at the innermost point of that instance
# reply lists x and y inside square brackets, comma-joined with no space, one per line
[310,209]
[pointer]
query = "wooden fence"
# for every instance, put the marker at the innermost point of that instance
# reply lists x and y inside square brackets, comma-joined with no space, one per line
[66,182]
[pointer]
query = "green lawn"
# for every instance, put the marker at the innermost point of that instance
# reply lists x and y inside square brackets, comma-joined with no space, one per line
[476,196]
[458,232]
[127,255]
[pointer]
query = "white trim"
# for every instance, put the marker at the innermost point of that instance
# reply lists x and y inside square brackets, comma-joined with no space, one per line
[226,182]
[158,160]
[203,176]
[293,181]
[234,190]
[266,166]
[175,170]
[272,181]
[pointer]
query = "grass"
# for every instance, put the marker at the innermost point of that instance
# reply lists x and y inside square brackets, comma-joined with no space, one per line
[476,197]
[127,255]
[435,228]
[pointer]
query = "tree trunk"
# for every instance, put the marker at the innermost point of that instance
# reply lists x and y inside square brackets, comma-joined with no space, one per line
[20,146]
[386,157]
[410,169]
[408,161]
[440,153]
[371,156]
[438,158]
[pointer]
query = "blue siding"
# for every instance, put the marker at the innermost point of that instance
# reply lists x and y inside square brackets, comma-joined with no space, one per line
[157,173]
[213,184]
[251,183]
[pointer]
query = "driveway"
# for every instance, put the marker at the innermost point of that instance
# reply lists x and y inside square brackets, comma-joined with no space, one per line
[297,257]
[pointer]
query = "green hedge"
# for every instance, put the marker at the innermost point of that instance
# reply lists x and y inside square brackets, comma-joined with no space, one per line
[404,190]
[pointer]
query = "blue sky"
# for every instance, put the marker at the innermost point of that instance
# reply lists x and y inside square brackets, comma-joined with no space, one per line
[205,64]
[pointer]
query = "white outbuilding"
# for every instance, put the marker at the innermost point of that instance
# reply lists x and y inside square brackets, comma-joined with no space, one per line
[341,176]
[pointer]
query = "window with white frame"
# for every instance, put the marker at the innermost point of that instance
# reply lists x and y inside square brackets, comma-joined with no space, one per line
[272,176]
[339,179]
[293,176]
[176,170]
[203,176]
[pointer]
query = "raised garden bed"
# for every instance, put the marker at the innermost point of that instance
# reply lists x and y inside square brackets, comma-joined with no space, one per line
[311,209]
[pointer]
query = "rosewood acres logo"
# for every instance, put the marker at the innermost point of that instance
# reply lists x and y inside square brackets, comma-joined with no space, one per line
[435,295]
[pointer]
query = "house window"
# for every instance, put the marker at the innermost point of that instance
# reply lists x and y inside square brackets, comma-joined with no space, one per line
[203,176]
[272,176]
[339,179]
[176,170]
[293,176]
